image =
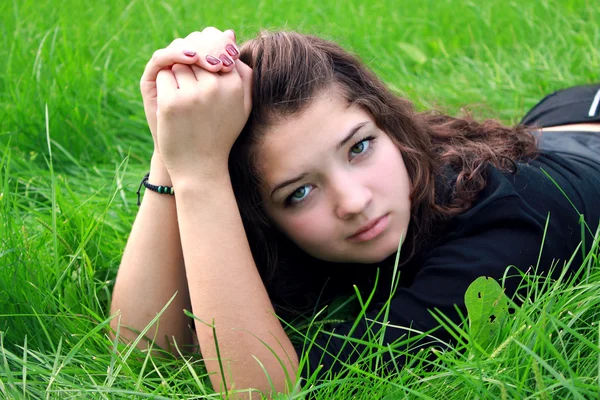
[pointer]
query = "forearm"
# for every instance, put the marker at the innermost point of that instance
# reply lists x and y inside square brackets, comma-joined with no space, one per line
[226,289]
[152,271]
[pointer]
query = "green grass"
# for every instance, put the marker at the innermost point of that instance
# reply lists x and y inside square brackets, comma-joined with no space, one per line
[74,145]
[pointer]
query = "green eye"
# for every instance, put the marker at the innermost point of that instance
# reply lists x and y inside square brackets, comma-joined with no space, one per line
[360,147]
[299,195]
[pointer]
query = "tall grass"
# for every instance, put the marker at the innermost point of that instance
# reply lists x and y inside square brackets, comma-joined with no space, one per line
[74,144]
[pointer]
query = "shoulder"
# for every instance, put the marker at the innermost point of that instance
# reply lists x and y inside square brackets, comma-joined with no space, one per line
[529,218]
[549,184]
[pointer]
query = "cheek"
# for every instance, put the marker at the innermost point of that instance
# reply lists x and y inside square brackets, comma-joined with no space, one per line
[306,228]
[400,179]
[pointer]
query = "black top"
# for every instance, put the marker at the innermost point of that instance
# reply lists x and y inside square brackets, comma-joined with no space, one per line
[504,227]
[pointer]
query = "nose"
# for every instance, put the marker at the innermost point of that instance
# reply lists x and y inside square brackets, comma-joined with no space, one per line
[351,197]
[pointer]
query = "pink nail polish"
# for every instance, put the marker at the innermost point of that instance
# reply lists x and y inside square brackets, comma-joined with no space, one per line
[231,50]
[226,60]
[189,53]
[212,60]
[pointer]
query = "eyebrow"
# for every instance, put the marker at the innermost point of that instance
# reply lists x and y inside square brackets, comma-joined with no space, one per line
[341,144]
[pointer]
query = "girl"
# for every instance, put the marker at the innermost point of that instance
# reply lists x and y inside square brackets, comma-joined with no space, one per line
[298,174]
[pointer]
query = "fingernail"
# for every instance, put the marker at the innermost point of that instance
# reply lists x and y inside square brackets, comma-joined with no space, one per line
[226,60]
[231,50]
[212,60]
[189,53]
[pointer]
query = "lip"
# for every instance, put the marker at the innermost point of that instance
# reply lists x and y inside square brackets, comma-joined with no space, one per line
[371,230]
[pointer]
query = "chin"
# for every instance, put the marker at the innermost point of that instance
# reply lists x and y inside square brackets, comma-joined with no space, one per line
[372,259]
[383,255]
[359,258]
[375,260]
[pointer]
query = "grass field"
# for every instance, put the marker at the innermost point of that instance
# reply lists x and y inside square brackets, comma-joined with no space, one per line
[74,145]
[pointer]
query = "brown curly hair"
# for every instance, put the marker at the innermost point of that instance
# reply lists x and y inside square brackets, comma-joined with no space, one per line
[290,69]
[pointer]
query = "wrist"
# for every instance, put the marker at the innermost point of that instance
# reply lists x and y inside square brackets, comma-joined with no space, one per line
[212,195]
[208,172]
[205,183]
[159,175]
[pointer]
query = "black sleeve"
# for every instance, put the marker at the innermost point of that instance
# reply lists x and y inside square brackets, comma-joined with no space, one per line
[489,238]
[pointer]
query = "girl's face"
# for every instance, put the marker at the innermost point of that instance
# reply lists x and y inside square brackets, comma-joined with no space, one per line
[334,183]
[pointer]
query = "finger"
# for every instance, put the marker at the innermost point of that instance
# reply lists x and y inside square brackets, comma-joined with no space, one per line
[230,34]
[227,61]
[165,58]
[166,85]
[211,62]
[232,51]
[231,76]
[208,84]
[231,48]
[198,72]
[245,73]
[208,57]
[205,80]
[218,47]
[186,79]
[241,74]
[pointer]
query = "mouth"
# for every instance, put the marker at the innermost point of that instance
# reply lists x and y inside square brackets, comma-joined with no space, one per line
[371,230]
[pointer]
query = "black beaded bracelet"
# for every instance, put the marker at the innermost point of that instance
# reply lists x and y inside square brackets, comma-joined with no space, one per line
[155,188]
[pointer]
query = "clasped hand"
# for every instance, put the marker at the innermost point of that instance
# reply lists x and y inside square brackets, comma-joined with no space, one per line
[197,98]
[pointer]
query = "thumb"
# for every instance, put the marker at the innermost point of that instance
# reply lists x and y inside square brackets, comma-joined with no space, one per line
[245,73]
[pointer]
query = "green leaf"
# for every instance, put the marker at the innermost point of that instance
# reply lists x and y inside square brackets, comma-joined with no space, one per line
[413,52]
[487,307]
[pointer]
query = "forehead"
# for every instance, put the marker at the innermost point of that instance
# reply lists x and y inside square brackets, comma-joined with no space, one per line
[298,143]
